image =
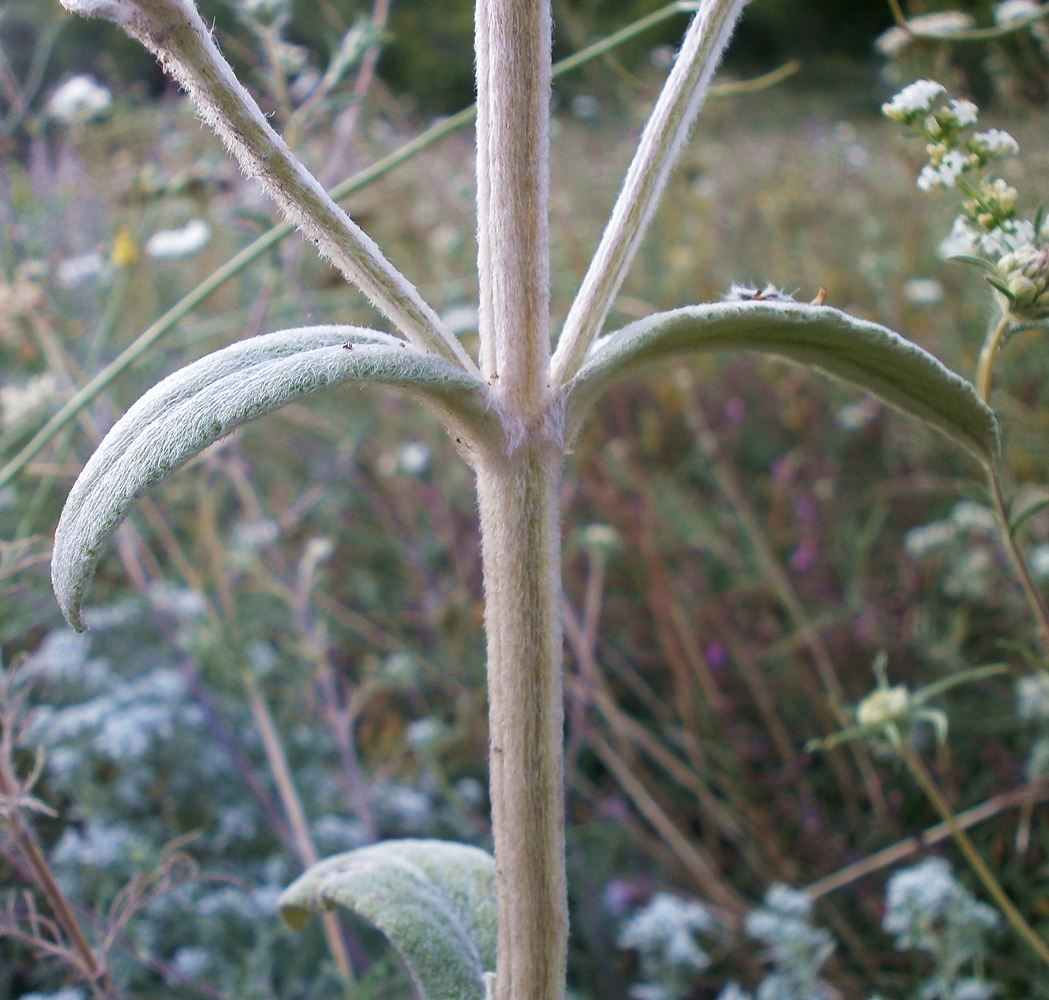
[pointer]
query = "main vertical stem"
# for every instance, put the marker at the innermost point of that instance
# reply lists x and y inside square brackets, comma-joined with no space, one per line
[518,500]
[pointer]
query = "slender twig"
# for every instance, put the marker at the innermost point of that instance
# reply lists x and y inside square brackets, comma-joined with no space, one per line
[26,843]
[1023,571]
[300,830]
[1025,796]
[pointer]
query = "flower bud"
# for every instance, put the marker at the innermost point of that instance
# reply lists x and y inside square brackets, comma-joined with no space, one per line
[1025,273]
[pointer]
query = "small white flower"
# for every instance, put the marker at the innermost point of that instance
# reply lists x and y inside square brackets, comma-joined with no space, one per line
[962,240]
[79,100]
[1012,11]
[914,99]
[170,244]
[923,291]
[951,167]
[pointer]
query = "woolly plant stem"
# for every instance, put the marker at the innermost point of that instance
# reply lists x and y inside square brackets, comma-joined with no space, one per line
[174,32]
[520,531]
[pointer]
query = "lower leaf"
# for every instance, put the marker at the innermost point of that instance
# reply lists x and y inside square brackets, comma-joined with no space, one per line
[433,900]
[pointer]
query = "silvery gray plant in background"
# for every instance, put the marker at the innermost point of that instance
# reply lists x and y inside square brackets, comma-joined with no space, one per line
[513,412]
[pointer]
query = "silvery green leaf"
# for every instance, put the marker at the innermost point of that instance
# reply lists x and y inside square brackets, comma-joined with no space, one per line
[433,900]
[194,407]
[864,354]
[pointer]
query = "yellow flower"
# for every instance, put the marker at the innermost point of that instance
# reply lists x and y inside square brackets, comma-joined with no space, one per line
[125,250]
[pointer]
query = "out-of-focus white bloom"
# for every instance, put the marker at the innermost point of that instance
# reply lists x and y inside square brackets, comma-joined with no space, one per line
[471,791]
[920,541]
[192,961]
[586,107]
[951,167]
[19,399]
[1039,560]
[460,319]
[74,271]
[414,458]
[170,244]
[994,144]
[662,56]
[665,930]
[69,993]
[79,100]
[961,241]
[1032,697]
[856,416]
[422,732]
[409,806]
[892,42]
[923,291]
[1012,11]
[796,948]
[970,516]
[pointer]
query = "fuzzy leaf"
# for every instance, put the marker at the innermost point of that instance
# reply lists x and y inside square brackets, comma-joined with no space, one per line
[194,407]
[433,900]
[865,354]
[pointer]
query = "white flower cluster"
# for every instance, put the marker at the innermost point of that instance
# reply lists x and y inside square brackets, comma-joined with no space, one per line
[796,949]
[965,540]
[1009,247]
[664,934]
[927,909]
[915,99]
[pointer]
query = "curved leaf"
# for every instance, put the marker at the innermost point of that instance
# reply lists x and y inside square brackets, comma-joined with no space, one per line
[865,354]
[194,407]
[433,900]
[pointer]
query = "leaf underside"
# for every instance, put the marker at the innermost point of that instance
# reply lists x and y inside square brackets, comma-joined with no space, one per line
[198,405]
[433,900]
[864,354]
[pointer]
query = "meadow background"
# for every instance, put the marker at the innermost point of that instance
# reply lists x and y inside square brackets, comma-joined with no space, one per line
[296,616]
